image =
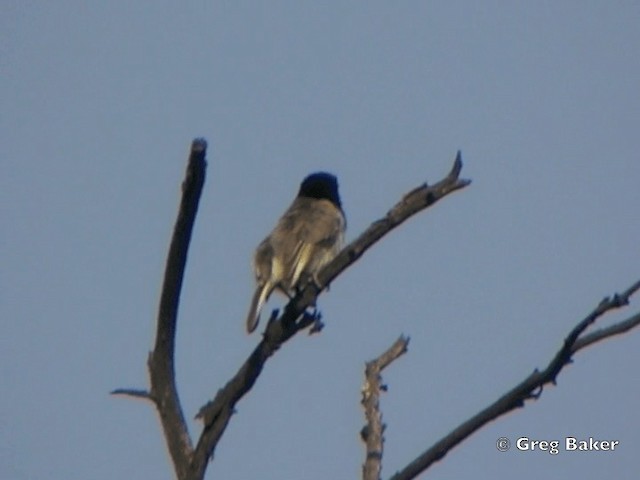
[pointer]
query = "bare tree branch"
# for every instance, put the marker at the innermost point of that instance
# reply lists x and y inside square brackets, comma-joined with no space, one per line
[532,386]
[161,360]
[372,432]
[216,413]
[413,202]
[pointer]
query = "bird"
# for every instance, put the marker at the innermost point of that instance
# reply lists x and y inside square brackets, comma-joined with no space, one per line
[308,235]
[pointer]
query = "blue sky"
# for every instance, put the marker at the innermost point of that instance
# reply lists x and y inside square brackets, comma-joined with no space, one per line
[100,103]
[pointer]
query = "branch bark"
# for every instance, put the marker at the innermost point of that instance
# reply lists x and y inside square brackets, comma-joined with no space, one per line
[531,387]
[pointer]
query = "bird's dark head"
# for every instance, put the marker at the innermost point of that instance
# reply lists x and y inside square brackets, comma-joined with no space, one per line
[321,185]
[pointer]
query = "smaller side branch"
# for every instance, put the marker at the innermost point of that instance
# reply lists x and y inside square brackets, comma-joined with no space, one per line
[373,432]
[531,387]
[615,329]
[133,392]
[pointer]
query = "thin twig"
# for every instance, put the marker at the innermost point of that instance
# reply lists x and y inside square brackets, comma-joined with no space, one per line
[610,331]
[133,392]
[372,432]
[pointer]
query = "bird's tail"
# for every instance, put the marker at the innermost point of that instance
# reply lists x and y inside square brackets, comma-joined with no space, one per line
[259,298]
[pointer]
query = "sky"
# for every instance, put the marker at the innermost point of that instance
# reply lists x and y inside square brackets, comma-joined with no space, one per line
[100,102]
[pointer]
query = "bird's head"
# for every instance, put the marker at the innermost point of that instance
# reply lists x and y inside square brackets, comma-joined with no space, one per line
[321,185]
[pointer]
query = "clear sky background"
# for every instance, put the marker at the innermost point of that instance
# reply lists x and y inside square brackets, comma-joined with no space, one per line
[99,105]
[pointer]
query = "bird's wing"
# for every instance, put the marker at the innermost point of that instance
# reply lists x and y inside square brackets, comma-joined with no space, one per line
[316,235]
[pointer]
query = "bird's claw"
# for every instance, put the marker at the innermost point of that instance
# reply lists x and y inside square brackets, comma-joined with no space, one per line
[313,318]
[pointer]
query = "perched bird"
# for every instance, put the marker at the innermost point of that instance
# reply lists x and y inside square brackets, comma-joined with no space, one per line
[307,237]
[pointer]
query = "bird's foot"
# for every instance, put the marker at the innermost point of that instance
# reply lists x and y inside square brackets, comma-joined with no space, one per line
[313,318]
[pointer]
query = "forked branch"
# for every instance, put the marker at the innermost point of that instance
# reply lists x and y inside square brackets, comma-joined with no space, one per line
[531,387]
